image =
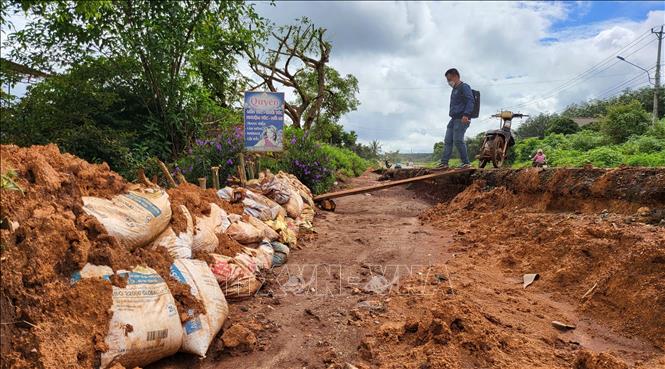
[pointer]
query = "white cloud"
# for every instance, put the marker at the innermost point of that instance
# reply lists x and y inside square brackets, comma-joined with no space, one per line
[399,51]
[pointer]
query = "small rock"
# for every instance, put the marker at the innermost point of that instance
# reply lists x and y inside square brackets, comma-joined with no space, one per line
[238,337]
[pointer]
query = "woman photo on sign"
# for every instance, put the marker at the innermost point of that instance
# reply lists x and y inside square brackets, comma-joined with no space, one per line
[269,138]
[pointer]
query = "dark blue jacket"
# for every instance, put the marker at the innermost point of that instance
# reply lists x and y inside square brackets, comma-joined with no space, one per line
[461,101]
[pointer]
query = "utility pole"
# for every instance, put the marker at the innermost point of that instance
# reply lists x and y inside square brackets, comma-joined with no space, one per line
[658,34]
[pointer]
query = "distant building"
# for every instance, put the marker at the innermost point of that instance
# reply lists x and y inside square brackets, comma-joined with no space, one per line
[583,121]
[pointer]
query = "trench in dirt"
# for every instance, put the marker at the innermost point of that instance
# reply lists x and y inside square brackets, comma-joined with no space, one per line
[316,311]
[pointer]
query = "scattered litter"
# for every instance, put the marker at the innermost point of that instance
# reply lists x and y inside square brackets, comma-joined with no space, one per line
[529,278]
[562,326]
[377,284]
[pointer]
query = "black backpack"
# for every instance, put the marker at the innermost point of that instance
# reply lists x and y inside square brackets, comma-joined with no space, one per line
[476,103]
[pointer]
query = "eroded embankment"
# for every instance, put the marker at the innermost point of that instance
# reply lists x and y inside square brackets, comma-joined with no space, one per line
[582,229]
[597,239]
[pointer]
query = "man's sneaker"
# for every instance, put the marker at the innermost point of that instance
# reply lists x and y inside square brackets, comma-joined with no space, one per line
[441,166]
[465,166]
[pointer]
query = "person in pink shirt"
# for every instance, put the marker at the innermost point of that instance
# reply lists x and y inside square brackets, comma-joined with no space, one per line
[539,159]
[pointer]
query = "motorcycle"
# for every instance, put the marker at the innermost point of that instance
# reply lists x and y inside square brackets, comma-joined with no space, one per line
[497,142]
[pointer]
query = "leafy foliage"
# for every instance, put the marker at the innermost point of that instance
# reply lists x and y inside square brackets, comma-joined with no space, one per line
[167,44]
[560,124]
[221,150]
[625,120]
[533,126]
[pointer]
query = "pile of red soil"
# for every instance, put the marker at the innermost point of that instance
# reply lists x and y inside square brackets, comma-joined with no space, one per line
[46,236]
[434,326]
[623,258]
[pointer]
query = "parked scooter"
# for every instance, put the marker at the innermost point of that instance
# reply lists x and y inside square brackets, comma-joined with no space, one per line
[496,142]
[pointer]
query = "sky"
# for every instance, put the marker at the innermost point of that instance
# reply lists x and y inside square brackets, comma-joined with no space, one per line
[528,57]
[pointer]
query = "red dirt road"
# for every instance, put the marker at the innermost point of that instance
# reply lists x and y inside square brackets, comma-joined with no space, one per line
[451,304]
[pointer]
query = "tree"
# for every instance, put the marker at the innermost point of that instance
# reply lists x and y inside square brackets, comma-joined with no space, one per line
[375,148]
[91,111]
[625,120]
[598,108]
[533,126]
[300,56]
[473,145]
[167,40]
[561,124]
[437,151]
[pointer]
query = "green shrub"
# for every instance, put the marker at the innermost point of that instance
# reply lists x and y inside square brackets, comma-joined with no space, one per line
[204,153]
[657,130]
[305,158]
[655,159]
[625,120]
[563,125]
[604,157]
[586,140]
[345,161]
[643,145]
[566,158]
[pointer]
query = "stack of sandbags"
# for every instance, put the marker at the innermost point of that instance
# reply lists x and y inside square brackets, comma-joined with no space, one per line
[178,245]
[134,218]
[254,204]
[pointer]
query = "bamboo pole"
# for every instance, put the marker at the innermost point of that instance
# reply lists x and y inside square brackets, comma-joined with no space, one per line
[166,173]
[215,177]
[202,183]
[181,178]
[242,173]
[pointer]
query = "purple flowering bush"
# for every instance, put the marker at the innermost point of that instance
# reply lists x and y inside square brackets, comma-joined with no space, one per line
[304,158]
[204,153]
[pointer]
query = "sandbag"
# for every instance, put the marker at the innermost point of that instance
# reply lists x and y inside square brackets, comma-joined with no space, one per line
[235,280]
[180,245]
[295,205]
[243,232]
[200,330]
[295,183]
[207,228]
[134,218]
[280,253]
[276,189]
[261,207]
[145,325]
[266,232]
[231,195]
[286,235]
[256,259]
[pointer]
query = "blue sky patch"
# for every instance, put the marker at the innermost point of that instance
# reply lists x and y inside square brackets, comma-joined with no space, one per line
[585,13]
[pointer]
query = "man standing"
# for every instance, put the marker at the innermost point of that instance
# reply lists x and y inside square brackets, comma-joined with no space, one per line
[461,108]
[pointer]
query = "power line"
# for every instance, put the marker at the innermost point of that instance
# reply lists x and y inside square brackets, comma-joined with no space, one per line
[600,64]
[578,81]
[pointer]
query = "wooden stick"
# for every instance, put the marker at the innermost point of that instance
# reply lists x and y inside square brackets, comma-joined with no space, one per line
[181,178]
[166,173]
[590,291]
[360,190]
[143,178]
[215,177]
[202,183]
[243,174]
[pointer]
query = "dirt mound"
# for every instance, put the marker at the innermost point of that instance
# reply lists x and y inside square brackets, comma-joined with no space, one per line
[46,236]
[431,325]
[197,202]
[615,263]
